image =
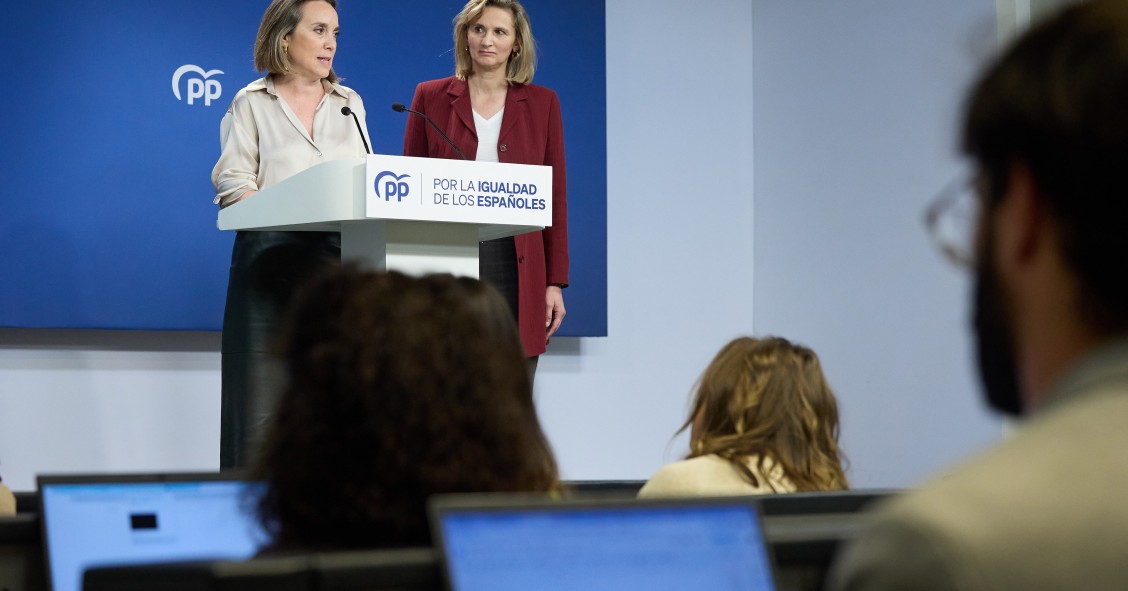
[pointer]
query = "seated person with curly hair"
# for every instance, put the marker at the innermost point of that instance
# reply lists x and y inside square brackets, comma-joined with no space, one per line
[764,420]
[400,388]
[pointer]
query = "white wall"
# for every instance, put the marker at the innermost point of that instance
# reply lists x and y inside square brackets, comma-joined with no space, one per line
[856,110]
[679,135]
[854,107]
[83,401]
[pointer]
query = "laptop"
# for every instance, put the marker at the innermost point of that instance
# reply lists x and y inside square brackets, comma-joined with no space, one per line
[505,542]
[97,520]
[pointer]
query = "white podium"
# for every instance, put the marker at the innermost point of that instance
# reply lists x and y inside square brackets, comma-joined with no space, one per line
[416,215]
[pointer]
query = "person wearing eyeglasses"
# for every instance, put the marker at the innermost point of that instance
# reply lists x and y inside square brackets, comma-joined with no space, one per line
[1046,237]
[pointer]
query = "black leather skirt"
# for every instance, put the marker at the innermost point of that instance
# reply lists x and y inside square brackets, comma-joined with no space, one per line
[267,268]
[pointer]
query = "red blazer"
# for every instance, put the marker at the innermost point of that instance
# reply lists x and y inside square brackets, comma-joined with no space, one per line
[531,133]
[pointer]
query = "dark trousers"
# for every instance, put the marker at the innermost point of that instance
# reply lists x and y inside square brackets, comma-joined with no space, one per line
[267,268]
[497,265]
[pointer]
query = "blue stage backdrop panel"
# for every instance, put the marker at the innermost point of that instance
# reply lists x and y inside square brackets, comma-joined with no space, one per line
[108,217]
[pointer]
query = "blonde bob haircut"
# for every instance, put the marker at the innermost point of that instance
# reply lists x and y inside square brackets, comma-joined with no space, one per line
[522,62]
[279,20]
[768,399]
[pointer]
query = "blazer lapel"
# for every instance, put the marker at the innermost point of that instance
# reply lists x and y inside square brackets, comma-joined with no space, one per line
[460,101]
[514,99]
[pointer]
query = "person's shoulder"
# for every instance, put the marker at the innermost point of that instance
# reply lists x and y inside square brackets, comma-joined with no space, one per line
[954,532]
[708,474]
[345,91]
[930,538]
[7,501]
[538,92]
[254,91]
[439,85]
[1048,460]
[258,86]
[1046,486]
[900,550]
[672,479]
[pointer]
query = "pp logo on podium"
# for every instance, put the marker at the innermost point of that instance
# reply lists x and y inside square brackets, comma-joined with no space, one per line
[388,184]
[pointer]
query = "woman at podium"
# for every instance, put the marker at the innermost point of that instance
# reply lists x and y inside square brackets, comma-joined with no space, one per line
[494,113]
[277,126]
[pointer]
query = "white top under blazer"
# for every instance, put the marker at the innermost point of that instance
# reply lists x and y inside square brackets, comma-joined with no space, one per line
[488,130]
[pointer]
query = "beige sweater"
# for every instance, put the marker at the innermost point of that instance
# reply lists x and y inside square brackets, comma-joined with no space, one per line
[7,501]
[712,475]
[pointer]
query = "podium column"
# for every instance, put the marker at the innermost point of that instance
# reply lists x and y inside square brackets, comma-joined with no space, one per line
[412,247]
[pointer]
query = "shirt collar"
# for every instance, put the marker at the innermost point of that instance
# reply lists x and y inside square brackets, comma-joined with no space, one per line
[267,84]
[1107,363]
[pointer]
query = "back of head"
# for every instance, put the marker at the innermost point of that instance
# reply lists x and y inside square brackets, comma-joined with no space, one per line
[768,398]
[1057,102]
[400,388]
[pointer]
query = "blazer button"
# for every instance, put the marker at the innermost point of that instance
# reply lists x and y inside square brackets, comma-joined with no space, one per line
[520,259]
[502,148]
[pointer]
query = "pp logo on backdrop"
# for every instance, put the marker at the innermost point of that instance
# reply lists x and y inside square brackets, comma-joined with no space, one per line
[197,87]
[388,184]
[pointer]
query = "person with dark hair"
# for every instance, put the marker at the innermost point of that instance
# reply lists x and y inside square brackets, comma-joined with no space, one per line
[493,112]
[276,126]
[1047,129]
[763,420]
[400,388]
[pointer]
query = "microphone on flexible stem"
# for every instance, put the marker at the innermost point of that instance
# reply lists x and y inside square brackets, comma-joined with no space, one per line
[347,111]
[399,108]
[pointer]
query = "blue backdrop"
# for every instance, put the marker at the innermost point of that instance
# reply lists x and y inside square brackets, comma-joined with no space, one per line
[108,219]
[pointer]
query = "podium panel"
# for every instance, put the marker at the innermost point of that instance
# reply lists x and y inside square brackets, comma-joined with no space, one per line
[415,215]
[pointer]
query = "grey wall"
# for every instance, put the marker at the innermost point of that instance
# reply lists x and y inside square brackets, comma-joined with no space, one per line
[844,139]
[855,111]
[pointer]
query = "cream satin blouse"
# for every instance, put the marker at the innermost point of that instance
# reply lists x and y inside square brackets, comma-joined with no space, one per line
[263,141]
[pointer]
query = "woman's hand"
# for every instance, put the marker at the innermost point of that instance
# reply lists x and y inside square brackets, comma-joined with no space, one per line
[553,310]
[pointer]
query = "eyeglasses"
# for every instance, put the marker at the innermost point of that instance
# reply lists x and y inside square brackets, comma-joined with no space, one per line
[951,219]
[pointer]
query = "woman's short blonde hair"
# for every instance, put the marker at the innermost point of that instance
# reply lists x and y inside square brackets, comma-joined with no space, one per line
[522,63]
[279,20]
[768,398]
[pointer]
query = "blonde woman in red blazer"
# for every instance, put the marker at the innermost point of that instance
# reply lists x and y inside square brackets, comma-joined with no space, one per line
[494,63]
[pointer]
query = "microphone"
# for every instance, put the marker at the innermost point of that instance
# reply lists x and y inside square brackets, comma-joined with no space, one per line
[399,108]
[346,112]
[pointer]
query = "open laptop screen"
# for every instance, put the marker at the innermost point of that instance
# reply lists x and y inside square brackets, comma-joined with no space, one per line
[103,520]
[676,545]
